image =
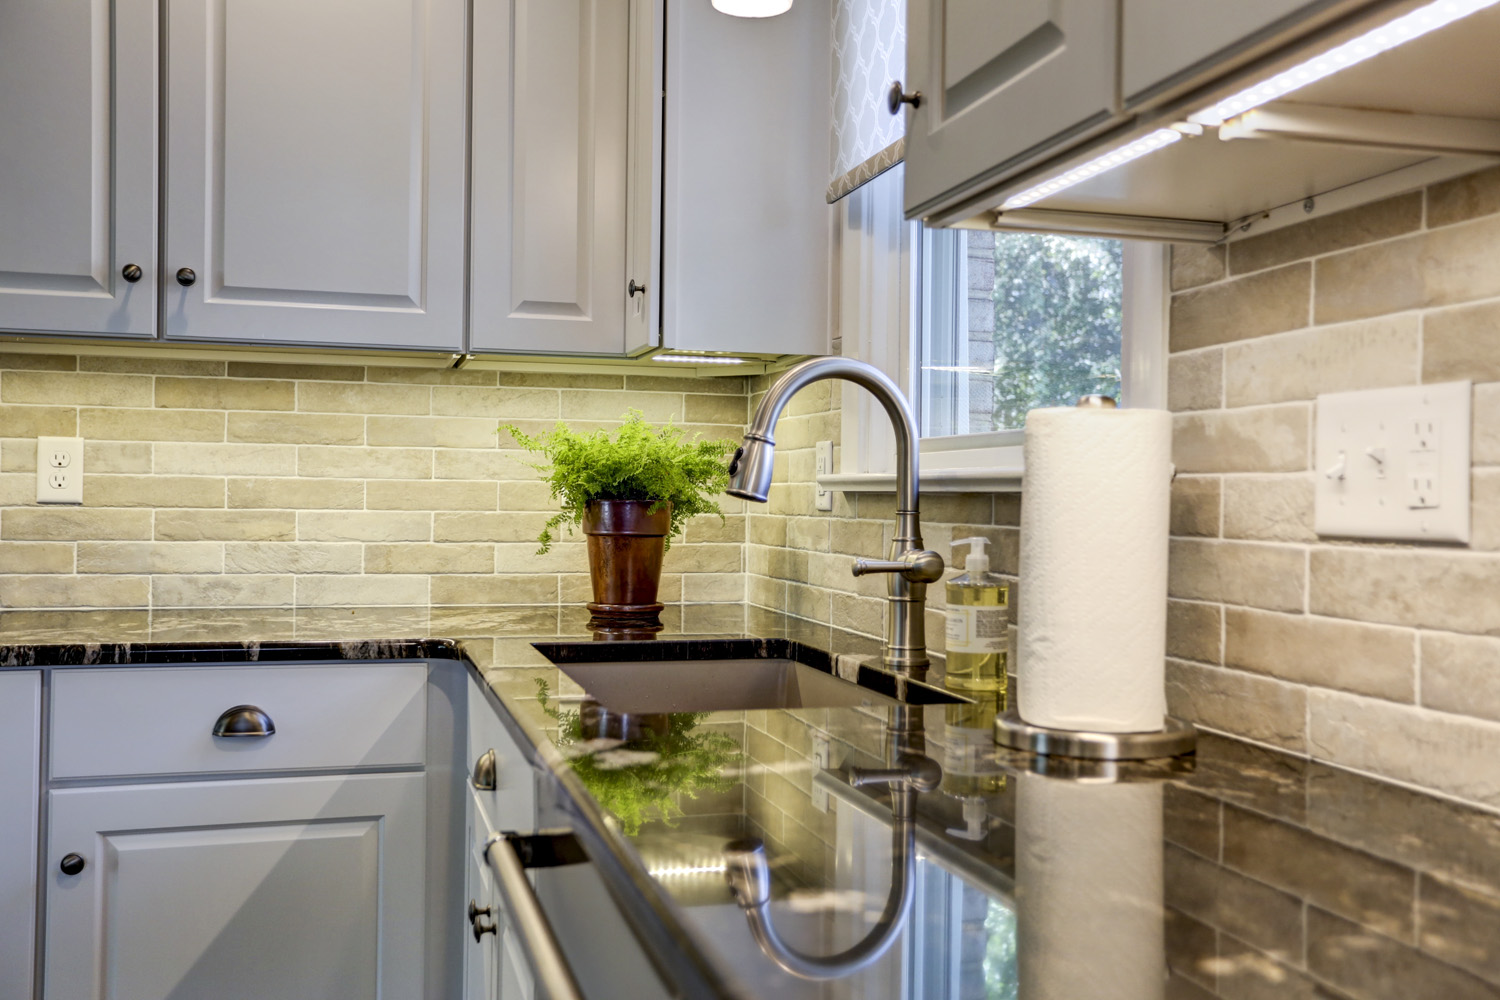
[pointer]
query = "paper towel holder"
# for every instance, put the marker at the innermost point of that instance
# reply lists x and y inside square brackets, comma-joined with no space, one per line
[1174,739]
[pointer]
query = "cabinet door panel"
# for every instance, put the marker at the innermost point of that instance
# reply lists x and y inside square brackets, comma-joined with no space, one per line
[20,767]
[78,166]
[550,93]
[996,87]
[315,171]
[291,887]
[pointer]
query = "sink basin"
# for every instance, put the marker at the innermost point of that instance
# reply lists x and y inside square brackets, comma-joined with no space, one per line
[728,675]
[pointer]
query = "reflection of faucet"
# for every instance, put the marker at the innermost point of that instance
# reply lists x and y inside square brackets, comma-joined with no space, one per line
[911,567]
[750,876]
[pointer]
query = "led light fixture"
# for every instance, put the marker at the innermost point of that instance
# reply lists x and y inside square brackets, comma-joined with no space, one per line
[699,359]
[753,8]
[681,870]
[1373,42]
[1093,168]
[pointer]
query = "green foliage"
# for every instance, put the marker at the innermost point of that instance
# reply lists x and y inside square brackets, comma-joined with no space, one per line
[639,462]
[681,762]
[1001,978]
[1057,322]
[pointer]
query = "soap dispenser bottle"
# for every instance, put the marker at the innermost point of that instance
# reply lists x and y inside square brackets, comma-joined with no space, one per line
[978,620]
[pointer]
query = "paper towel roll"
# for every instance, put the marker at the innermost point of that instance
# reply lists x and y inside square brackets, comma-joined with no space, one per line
[1093,582]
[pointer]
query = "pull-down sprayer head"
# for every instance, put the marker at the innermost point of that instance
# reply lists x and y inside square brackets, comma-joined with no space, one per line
[750,469]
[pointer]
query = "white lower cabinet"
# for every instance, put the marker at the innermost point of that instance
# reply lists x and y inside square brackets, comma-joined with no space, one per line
[20,773]
[274,887]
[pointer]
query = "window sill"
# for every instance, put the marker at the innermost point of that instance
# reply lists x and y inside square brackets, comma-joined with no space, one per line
[990,480]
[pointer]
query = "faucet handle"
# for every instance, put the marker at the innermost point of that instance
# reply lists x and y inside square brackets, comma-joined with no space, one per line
[918,566]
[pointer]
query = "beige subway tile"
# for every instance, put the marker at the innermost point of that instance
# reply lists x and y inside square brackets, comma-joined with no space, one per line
[865,615]
[1415,587]
[1195,381]
[335,462]
[121,424]
[575,589]
[362,591]
[432,432]
[1484,435]
[430,376]
[362,397]
[394,494]
[227,459]
[226,525]
[1194,265]
[1461,343]
[1195,505]
[522,557]
[506,588]
[153,491]
[18,455]
[809,533]
[711,528]
[1459,925]
[297,494]
[221,591]
[487,526]
[75,388]
[150,366]
[150,557]
[36,557]
[1448,753]
[1252,306]
[1466,197]
[526,497]
[74,591]
[855,538]
[1269,508]
[113,456]
[561,380]
[1238,703]
[1350,228]
[363,526]
[715,409]
[612,406]
[1484,516]
[1249,573]
[813,603]
[224,394]
[1438,267]
[1194,631]
[713,587]
[38,362]
[1369,354]
[34,421]
[429,557]
[17,489]
[705,558]
[730,385]
[484,463]
[1326,652]
[293,557]
[505,403]
[73,523]
[322,373]
[1264,439]
[296,428]
[1461,674]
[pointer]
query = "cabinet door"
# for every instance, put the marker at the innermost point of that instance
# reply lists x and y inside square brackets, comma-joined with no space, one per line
[78,166]
[20,767]
[997,85]
[283,887]
[315,172]
[549,173]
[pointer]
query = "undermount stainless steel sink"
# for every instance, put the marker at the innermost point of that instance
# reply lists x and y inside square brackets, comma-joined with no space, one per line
[719,676]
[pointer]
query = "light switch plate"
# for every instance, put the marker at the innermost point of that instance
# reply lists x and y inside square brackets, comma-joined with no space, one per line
[1393,463]
[59,470]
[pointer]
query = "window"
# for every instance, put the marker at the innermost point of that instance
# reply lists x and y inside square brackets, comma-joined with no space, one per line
[981,326]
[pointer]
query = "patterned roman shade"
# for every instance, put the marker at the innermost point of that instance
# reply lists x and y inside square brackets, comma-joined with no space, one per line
[869,53]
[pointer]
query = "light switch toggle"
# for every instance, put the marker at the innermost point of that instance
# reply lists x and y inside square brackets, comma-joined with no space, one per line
[1337,469]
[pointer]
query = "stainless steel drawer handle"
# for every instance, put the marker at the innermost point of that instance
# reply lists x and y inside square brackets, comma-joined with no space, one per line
[538,940]
[244,720]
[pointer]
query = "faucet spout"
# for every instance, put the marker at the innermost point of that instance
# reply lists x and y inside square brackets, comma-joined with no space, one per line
[910,566]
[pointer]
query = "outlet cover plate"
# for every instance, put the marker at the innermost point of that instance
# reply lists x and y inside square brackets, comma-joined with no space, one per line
[1393,463]
[59,470]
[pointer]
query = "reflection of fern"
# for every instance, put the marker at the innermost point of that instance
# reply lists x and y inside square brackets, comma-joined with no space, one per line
[686,762]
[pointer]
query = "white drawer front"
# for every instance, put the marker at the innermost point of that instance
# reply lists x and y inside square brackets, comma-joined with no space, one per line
[159,720]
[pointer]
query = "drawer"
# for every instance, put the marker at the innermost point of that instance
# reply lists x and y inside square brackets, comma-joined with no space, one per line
[159,720]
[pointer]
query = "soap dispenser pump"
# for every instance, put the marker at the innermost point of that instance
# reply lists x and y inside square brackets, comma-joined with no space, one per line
[978,621]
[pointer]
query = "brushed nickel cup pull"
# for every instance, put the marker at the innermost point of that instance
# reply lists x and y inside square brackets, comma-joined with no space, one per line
[244,720]
[131,273]
[484,771]
[186,276]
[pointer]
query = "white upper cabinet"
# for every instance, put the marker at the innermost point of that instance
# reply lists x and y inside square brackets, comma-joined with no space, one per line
[78,167]
[315,172]
[550,193]
[996,90]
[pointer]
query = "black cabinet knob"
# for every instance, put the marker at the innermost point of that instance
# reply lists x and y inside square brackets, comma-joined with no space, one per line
[185,276]
[72,864]
[633,288]
[897,97]
[131,273]
[476,921]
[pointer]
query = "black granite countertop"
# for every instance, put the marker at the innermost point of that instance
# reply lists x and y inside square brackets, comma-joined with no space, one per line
[1242,873]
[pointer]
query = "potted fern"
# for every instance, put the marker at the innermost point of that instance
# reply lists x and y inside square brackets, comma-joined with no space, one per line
[630,492]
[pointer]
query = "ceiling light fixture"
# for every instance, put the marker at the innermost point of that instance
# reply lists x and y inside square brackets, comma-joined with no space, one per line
[753,8]
[699,359]
[1403,29]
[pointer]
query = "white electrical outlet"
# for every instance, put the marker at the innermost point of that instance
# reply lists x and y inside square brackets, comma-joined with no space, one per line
[59,470]
[823,465]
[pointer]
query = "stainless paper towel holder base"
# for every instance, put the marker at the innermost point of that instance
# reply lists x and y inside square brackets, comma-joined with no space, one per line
[1174,739]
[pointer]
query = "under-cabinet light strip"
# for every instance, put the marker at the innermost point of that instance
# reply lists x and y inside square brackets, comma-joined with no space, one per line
[1093,168]
[1403,29]
[699,359]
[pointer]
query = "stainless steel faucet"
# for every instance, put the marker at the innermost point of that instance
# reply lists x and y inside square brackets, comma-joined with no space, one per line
[911,567]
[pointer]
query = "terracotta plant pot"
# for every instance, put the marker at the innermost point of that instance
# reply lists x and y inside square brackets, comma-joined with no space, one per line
[626,543]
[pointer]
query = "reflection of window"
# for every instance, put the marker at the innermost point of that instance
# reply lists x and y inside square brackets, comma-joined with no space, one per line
[962,940]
